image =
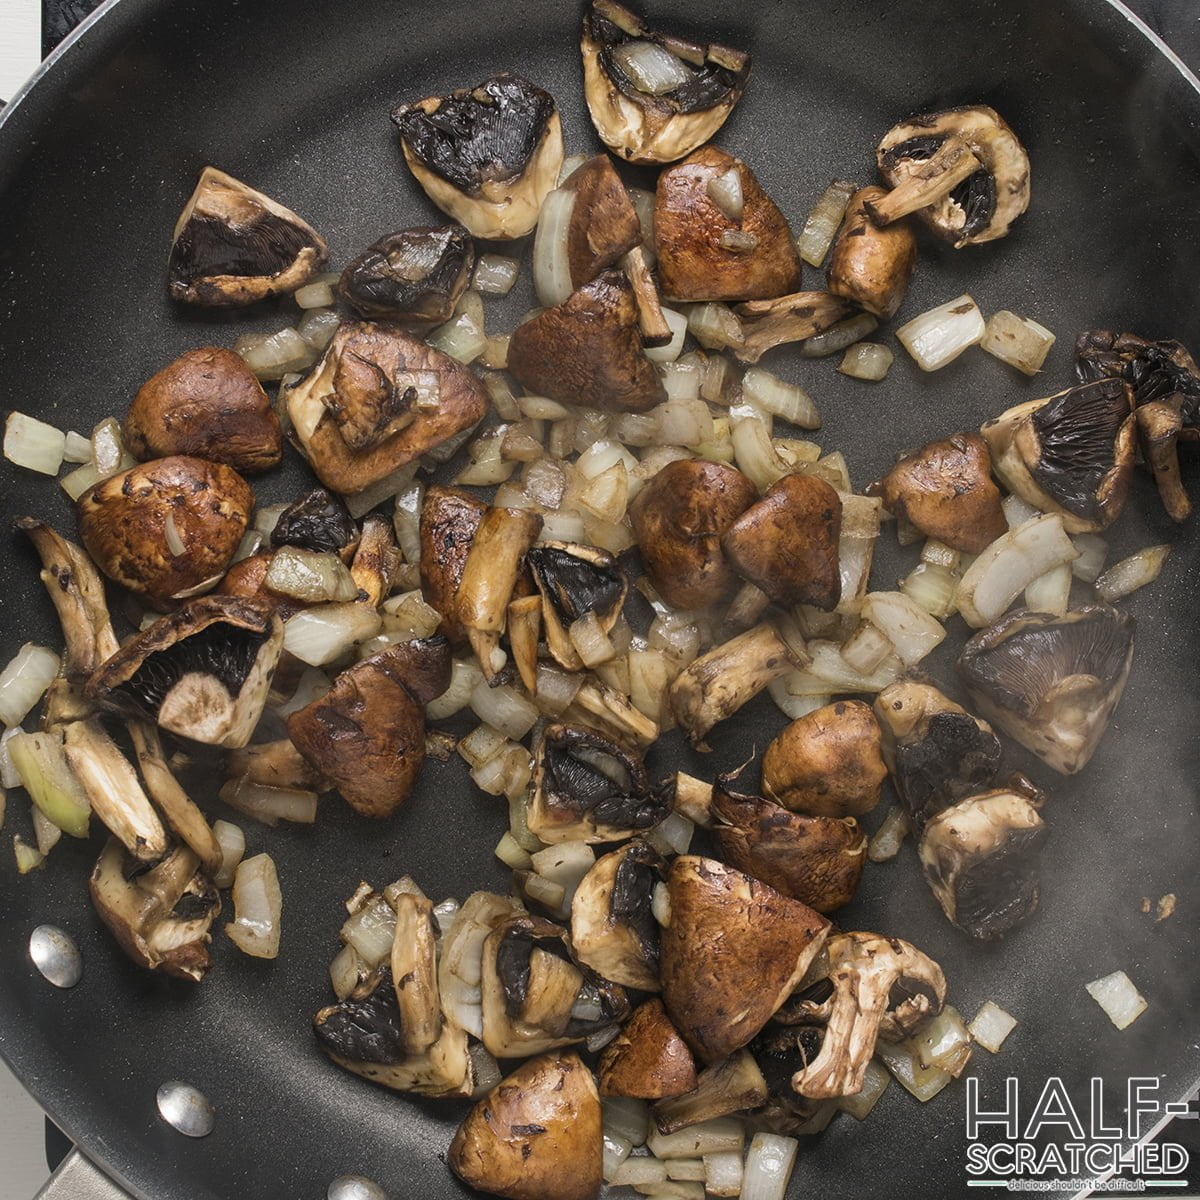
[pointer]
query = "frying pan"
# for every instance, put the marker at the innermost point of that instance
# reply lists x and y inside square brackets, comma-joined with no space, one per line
[96,160]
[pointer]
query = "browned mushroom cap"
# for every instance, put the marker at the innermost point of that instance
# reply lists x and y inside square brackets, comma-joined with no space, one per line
[166,528]
[202,672]
[945,489]
[449,519]
[787,543]
[827,763]
[792,318]
[703,254]
[679,518]
[588,350]
[378,399]
[648,1059]
[488,155]
[234,245]
[733,951]
[535,1136]
[209,404]
[818,860]
[160,917]
[367,733]
[1071,454]
[414,277]
[869,265]
[604,225]
[574,580]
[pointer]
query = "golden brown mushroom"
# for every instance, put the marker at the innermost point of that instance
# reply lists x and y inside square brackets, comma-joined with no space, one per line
[449,519]
[792,318]
[648,1059]
[869,265]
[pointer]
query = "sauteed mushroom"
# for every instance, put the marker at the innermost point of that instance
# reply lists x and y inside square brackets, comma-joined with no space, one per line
[574,580]
[794,318]
[647,1059]
[318,521]
[781,1051]
[233,245]
[449,520]
[486,156]
[871,266]
[654,97]
[733,1085]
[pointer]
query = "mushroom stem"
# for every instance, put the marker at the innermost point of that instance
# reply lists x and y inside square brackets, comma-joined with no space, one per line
[652,323]
[615,712]
[376,560]
[794,318]
[937,176]
[524,628]
[746,607]
[414,973]
[1159,424]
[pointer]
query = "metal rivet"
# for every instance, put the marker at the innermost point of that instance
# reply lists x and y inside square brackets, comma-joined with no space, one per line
[186,1109]
[56,956]
[355,1187]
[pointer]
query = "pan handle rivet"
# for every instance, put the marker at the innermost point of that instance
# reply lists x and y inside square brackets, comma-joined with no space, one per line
[186,1109]
[355,1187]
[56,956]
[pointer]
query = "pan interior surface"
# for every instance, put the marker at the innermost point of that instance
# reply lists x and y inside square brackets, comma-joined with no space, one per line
[293,97]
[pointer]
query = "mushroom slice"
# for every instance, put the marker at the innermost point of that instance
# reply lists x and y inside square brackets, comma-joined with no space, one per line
[316,521]
[234,245]
[366,735]
[961,170]
[276,764]
[734,1085]
[787,543]
[936,751]
[596,705]
[1052,683]
[732,953]
[704,252]
[574,580]
[715,685]
[414,972]
[1071,454]
[167,528]
[486,156]
[160,916]
[209,404]
[376,560]
[449,520]
[365,1034]
[203,672]
[394,396]
[981,862]
[536,997]
[414,277]
[871,266]
[654,97]
[945,489]
[612,928]
[794,318]
[588,350]
[588,788]
[880,986]
[647,1060]
[535,1136]
[817,860]
[679,518]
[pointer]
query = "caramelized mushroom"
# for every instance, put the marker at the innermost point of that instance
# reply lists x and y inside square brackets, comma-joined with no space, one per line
[449,520]
[871,266]
[318,521]
[793,318]
[647,1060]
[733,1085]
[574,580]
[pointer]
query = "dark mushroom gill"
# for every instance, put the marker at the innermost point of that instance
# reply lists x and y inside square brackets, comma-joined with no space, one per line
[976,195]
[597,778]
[365,1027]
[573,585]
[317,521]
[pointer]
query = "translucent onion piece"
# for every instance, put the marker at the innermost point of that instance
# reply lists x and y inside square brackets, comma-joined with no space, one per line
[346,971]
[889,837]
[1018,341]
[371,930]
[107,448]
[627,1118]
[943,1043]
[1093,550]
[78,481]
[317,327]
[709,1137]
[461,338]
[551,267]
[591,643]
[78,449]
[723,1173]
[9,777]
[939,336]
[715,327]
[738,241]
[556,688]
[232,841]
[911,630]
[1119,998]
[672,835]
[314,295]
[875,1083]
[310,576]
[901,1060]
[788,401]
[838,337]
[1018,512]
[270,805]
[564,864]
[652,70]
[45,832]
[725,191]
[769,1164]
[511,853]
[24,681]
[616,1150]
[322,634]
[753,452]
[495,274]
[821,225]
[28,857]
[866,648]
[1126,576]
[481,745]
[267,517]
[642,1172]
[681,380]
[991,1025]
[1050,593]
[33,444]
[866,360]
[313,683]
[829,666]
[792,704]
[258,905]
[276,355]
[504,708]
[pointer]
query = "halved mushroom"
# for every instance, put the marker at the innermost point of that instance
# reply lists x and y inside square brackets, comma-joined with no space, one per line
[207,403]
[612,928]
[647,1060]
[588,350]
[794,318]
[962,171]
[733,951]
[487,156]
[818,860]
[161,917]
[588,788]
[233,245]
[936,751]
[365,1034]
[165,529]
[1071,454]
[574,580]
[827,763]
[654,97]
[449,520]
[536,997]
[868,265]
[981,862]
[880,987]
[535,1136]
[733,1085]
[712,251]
[203,672]
[679,518]
[414,277]
[1052,683]
[367,733]
[945,489]
[318,521]
[787,543]
[378,399]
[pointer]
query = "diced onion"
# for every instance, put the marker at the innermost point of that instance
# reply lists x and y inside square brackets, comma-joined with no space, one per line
[487,466]
[794,705]
[570,165]
[1119,998]
[1018,341]
[939,554]
[943,1043]
[33,444]
[674,1189]
[672,835]
[723,1173]
[270,805]
[461,338]
[324,633]
[108,451]
[866,648]
[991,1025]
[346,971]
[838,337]
[652,70]
[1093,550]
[563,526]
[1126,576]
[660,904]
[79,480]
[9,776]
[725,191]
[627,1118]
[29,858]
[409,614]
[739,241]
[715,327]
[267,517]
[45,832]
[932,588]
[314,295]
[901,1060]
[709,1137]
[684,422]
[829,666]
[309,575]
[1050,593]
[407,521]
[939,336]
[752,449]
[545,892]
[78,449]
[24,681]
[641,1172]
[481,745]
[591,643]
[564,864]
[258,905]
[504,708]
[371,927]
[511,853]
[616,1150]
[317,327]
[1018,512]
[556,689]
[769,1164]
[866,360]
[875,1083]
[313,683]
[889,837]
[822,223]
[250,545]
[495,274]
[551,267]
[541,408]
[277,354]
[788,401]
[911,630]
[685,1170]
[232,841]
[681,381]
[678,325]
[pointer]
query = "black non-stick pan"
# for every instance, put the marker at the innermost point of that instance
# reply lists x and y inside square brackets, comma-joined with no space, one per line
[293,96]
